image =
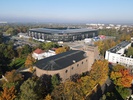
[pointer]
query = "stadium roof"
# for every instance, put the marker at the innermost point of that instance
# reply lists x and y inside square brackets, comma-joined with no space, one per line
[61,61]
[46,30]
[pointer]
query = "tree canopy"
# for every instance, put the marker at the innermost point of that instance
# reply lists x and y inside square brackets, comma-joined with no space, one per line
[30,90]
[13,76]
[122,78]
[8,94]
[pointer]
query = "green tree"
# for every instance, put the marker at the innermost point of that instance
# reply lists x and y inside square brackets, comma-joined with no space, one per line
[124,92]
[55,81]
[10,31]
[118,68]
[1,37]
[130,51]
[50,45]
[31,90]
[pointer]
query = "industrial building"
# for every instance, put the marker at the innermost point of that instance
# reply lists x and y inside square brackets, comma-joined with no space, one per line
[65,35]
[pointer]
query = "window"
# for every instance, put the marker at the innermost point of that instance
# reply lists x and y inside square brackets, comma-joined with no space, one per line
[72,68]
[82,62]
[86,60]
[77,65]
[66,71]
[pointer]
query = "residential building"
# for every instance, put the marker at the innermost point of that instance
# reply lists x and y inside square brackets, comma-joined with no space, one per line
[40,54]
[117,54]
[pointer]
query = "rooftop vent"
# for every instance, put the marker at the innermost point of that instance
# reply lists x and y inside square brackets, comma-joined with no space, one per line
[74,61]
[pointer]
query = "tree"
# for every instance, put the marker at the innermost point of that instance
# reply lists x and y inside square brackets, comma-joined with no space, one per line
[49,45]
[60,50]
[48,97]
[66,47]
[8,94]
[29,61]
[67,91]
[9,31]
[26,50]
[45,81]
[13,76]
[105,45]
[54,81]
[130,51]
[31,90]
[118,68]
[122,78]
[1,37]
[124,92]
[75,77]
[99,70]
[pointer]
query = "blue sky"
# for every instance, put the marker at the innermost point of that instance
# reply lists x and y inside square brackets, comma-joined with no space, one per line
[82,11]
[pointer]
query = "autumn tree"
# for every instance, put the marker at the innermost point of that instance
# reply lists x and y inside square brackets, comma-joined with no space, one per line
[122,78]
[8,94]
[67,91]
[124,37]
[48,97]
[60,50]
[105,45]
[29,61]
[84,85]
[66,47]
[99,70]
[13,76]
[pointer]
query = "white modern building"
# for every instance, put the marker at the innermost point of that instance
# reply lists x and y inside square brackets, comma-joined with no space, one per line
[23,35]
[116,54]
[40,54]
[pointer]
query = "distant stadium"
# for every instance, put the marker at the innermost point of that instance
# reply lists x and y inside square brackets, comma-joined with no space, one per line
[64,35]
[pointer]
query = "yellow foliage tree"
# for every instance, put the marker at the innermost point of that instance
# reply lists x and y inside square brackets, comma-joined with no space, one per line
[8,94]
[99,70]
[29,61]
[48,97]
[60,50]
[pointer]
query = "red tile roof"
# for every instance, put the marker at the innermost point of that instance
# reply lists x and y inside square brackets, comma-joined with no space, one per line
[38,51]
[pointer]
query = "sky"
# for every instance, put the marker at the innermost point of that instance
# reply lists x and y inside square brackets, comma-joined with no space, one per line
[67,11]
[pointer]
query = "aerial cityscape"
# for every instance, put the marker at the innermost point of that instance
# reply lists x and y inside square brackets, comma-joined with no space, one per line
[66,50]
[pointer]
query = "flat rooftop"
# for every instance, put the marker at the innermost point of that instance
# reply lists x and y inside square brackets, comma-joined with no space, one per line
[119,46]
[46,30]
